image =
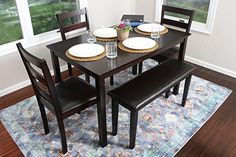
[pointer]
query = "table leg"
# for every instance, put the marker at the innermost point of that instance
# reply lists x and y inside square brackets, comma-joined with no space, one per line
[56,67]
[101,111]
[182,50]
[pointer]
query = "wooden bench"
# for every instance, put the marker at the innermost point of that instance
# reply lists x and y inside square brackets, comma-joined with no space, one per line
[143,89]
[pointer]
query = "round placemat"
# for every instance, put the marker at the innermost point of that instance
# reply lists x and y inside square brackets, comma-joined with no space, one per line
[86,59]
[148,33]
[122,47]
[106,39]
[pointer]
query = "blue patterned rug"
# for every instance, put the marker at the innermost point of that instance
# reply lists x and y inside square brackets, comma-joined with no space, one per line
[164,126]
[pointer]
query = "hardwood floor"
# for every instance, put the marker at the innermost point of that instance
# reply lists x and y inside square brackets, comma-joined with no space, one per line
[217,138]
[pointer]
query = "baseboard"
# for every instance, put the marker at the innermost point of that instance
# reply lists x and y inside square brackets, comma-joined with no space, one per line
[23,84]
[211,66]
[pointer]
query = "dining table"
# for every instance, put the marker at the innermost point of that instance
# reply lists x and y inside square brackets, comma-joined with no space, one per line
[105,67]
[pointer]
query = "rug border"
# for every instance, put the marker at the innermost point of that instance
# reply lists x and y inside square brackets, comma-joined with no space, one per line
[223,100]
[10,131]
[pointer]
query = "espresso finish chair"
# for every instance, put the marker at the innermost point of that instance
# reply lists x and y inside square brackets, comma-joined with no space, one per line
[70,21]
[63,99]
[182,25]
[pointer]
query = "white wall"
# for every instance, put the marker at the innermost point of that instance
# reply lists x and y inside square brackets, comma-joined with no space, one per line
[101,13]
[215,51]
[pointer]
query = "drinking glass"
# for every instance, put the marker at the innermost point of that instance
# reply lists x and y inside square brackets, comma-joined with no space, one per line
[111,50]
[91,39]
[126,21]
[155,33]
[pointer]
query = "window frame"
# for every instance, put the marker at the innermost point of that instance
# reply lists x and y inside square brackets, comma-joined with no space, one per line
[206,28]
[29,39]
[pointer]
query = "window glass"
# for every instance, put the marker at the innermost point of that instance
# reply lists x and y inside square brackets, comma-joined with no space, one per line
[43,13]
[9,22]
[201,8]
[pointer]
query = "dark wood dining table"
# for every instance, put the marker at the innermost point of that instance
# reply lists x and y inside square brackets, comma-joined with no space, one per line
[102,69]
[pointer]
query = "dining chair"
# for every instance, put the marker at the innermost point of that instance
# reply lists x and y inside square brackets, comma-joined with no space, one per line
[70,21]
[63,99]
[182,25]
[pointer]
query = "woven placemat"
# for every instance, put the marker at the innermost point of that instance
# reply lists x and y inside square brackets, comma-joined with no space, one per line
[106,39]
[122,47]
[86,59]
[148,33]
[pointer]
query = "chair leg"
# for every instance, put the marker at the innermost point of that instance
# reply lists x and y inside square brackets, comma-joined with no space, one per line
[186,89]
[43,115]
[176,89]
[87,78]
[167,94]
[140,67]
[62,133]
[115,111]
[133,128]
[112,80]
[69,69]
[135,69]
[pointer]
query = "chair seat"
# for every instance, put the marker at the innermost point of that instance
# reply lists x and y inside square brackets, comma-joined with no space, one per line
[78,92]
[170,53]
[147,87]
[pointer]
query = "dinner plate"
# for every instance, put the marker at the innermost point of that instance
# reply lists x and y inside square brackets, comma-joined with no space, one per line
[139,43]
[105,33]
[148,27]
[86,50]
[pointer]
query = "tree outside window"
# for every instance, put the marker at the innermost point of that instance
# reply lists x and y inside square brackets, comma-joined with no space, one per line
[201,8]
[43,13]
[10,28]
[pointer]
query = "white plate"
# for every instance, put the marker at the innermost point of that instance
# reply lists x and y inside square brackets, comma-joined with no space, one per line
[148,27]
[139,43]
[86,50]
[105,33]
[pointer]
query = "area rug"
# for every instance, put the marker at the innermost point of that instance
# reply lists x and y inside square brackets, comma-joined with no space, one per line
[164,126]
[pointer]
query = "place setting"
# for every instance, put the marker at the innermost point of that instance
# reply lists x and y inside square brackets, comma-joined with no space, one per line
[86,52]
[149,28]
[138,45]
[105,34]
[91,51]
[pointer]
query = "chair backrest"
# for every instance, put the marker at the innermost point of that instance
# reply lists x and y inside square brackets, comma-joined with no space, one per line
[180,24]
[74,20]
[39,75]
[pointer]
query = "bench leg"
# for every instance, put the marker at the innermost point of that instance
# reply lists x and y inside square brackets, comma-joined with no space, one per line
[176,89]
[115,110]
[135,69]
[140,67]
[133,128]
[112,80]
[186,89]
[167,94]
[87,78]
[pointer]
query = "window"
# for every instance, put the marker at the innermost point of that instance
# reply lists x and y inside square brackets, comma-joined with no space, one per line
[43,13]
[9,22]
[204,12]
[31,21]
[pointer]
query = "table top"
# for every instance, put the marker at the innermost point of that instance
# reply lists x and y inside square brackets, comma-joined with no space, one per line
[106,67]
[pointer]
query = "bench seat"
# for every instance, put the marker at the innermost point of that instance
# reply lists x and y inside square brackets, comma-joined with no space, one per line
[145,88]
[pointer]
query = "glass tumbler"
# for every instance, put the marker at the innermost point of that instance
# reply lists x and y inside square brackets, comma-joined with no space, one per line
[111,50]
[155,33]
[91,39]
